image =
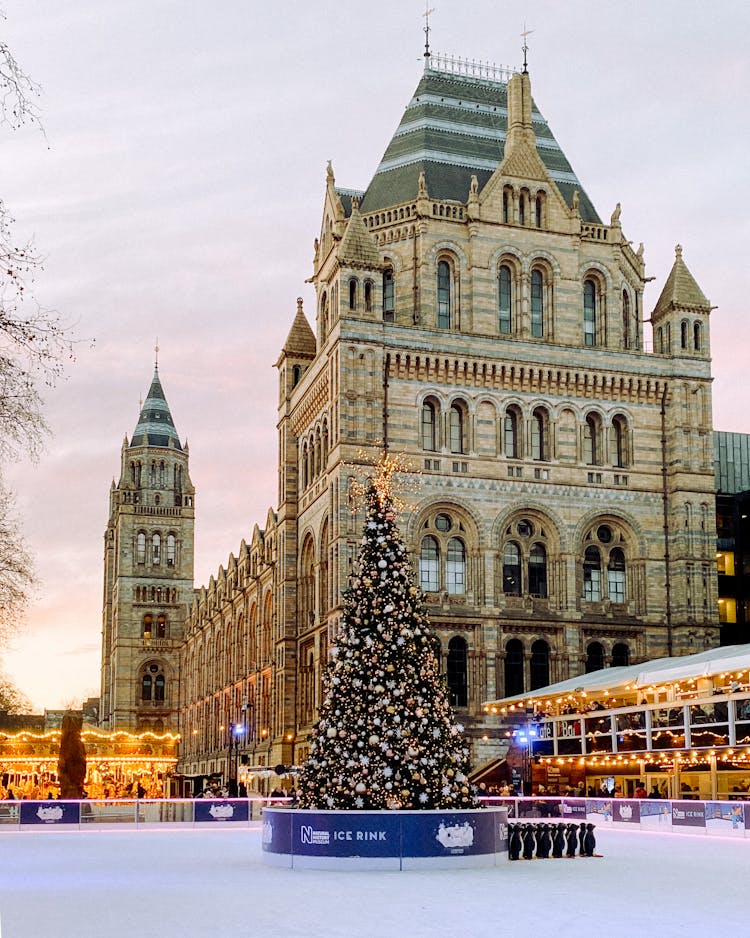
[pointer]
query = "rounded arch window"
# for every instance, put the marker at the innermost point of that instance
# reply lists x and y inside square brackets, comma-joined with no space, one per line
[594,657]
[429,565]
[429,426]
[514,655]
[444,297]
[539,665]
[455,569]
[592,575]
[458,427]
[511,433]
[389,295]
[540,434]
[616,575]
[505,299]
[457,676]
[512,569]
[538,571]
[537,303]
[620,655]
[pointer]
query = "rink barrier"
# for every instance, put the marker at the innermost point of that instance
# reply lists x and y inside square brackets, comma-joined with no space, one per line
[725,818]
[300,838]
[731,818]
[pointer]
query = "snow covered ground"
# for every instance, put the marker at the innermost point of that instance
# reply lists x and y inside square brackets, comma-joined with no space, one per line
[195,883]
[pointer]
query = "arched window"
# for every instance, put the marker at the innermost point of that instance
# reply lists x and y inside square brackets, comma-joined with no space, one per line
[514,683]
[305,466]
[457,672]
[156,548]
[324,314]
[148,624]
[352,294]
[537,304]
[171,550]
[539,434]
[684,334]
[146,687]
[159,687]
[511,446]
[388,295]
[507,205]
[324,588]
[660,340]
[616,576]
[505,300]
[626,319]
[620,655]
[618,442]
[429,566]
[444,295]
[697,337]
[539,665]
[592,440]
[512,569]
[668,339]
[141,548]
[539,206]
[594,657]
[429,427]
[538,571]
[368,296]
[522,199]
[589,312]
[307,588]
[161,626]
[457,429]
[455,567]
[592,575]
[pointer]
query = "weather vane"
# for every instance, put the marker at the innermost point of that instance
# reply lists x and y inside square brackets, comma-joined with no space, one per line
[426,14]
[156,353]
[525,34]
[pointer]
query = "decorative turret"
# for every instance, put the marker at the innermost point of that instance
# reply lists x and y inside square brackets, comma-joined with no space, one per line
[680,317]
[155,426]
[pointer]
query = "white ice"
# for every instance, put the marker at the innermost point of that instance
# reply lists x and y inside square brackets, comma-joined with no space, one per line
[191,883]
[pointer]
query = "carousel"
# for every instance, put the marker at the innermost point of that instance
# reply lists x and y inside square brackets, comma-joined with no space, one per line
[119,764]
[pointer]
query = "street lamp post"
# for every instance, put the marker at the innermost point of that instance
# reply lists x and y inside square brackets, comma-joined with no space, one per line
[525,738]
[236,731]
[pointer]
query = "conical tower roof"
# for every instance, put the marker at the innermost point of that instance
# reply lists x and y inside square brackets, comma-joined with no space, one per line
[455,128]
[680,291]
[155,426]
[358,248]
[300,343]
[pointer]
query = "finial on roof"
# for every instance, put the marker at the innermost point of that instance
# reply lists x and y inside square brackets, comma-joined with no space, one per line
[329,173]
[422,185]
[525,34]
[678,250]
[426,15]
[355,203]
[299,304]
[156,354]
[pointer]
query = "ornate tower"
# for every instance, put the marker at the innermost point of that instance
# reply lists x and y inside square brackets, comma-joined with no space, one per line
[148,573]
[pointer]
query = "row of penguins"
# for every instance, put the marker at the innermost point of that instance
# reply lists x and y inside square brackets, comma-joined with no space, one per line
[527,841]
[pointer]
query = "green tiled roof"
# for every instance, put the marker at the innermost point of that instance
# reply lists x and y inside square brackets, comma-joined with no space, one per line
[155,426]
[454,128]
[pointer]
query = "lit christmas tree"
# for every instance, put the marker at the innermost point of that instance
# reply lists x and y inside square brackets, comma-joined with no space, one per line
[386,737]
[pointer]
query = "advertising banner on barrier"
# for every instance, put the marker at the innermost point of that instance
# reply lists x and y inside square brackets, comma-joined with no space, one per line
[725,817]
[688,814]
[656,814]
[747,817]
[432,835]
[338,834]
[599,810]
[625,811]
[220,811]
[574,809]
[277,832]
[50,812]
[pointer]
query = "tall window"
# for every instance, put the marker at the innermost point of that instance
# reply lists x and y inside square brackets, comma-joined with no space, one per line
[592,437]
[352,294]
[140,549]
[457,672]
[148,624]
[539,665]
[684,334]
[589,312]
[388,295]
[619,442]
[539,424]
[171,550]
[697,343]
[455,568]
[368,296]
[510,434]
[538,204]
[457,429]
[429,435]
[504,299]
[444,295]
[429,566]
[538,570]
[592,575]
[522,208]
[594,657]
[514,668]
[146,687]
[156,549]
[159,687]
[512,569]
[537,304]
[626,319]
[616,576]
[507,194]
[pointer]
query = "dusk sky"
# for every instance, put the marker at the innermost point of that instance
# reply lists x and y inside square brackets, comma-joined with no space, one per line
[179,186]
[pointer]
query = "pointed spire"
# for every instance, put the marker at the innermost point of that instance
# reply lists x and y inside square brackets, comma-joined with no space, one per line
[155,426]
[300,343]
[357,247]
[681,290]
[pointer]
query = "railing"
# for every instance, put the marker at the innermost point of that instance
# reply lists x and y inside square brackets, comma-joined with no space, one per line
[139,814]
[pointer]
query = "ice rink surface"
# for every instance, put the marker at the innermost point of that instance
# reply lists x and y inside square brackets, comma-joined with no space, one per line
[191,883]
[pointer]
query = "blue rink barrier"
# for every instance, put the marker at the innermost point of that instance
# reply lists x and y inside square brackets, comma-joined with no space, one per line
[724,818]
[385,840]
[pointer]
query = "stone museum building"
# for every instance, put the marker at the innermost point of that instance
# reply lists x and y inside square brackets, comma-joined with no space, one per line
[477,314]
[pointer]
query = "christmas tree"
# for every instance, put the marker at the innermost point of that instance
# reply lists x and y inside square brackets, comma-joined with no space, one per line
[386,737]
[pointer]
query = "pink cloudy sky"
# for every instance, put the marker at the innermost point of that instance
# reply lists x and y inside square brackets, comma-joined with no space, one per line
[179,189]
